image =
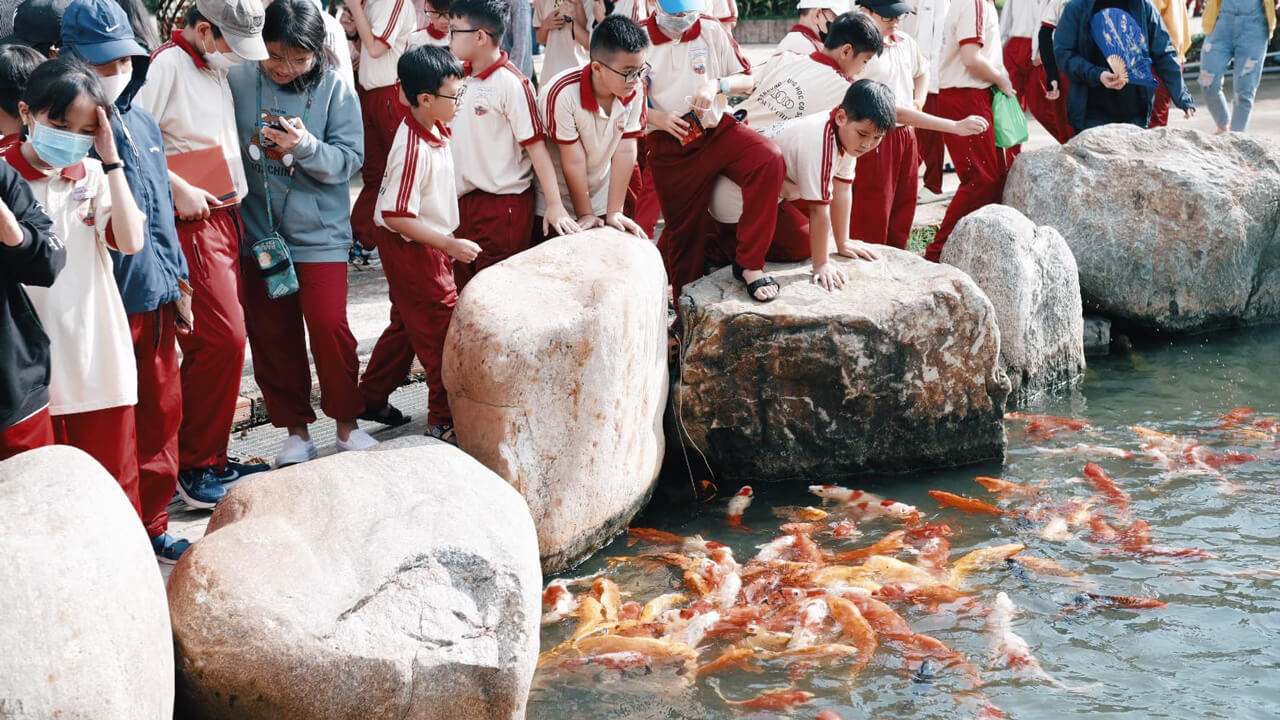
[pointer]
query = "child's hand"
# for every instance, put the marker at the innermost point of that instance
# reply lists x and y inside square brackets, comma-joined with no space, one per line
[347,21]
[1052,93]
[586,222]
[621,222]
[103,139]
[190,202]
[557,218]
[462,250]
[290,137]
[10,231]
[828,276]
[855,249]
[972,125]
[670,123]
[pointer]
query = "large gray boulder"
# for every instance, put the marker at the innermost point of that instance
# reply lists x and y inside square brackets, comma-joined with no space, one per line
[84,625]
[556,366]
[1030,276]
[898,371]
[1172,229]
[388,584]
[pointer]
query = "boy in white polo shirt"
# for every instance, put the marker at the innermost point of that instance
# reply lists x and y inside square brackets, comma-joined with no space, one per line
[927,25]
[384,27]
[792,85]
[561,26]
[417,201]
[594,116]
[187,93]
[811,29]
[971,65]
[436,30]
[820,150]
[691,141]
[725,12]
[887,183]
[498,144]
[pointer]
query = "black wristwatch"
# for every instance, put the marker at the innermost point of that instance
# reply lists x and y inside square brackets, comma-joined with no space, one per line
[108,167]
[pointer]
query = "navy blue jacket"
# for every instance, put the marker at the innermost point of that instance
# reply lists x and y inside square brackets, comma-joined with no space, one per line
[1073,46]
[147,279]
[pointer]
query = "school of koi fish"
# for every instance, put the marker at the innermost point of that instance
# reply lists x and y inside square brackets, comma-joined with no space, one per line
[833,591]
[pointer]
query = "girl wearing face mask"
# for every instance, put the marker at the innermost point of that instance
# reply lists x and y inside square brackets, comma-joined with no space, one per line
[93,384]
[151,281]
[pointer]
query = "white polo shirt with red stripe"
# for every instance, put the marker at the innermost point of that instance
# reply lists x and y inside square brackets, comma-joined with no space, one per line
[91,363]
[794,86]
[497,119]
[1051,12]
[428,35]
[705,53]
[192,104]
[418,181]
[801,39]
[897,66]
[969,21]
[392,22]
[928,25]
[1020,18]
[815,161]
[562,51]
[724,10]
[572,114]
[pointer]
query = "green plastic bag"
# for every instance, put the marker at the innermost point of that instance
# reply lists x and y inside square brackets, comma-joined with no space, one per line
[1009,121]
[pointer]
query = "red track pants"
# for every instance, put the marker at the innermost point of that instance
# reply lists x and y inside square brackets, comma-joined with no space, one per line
[979,163]
[382,114]
[158,414]
[109,435]
[884,191]
[27,434]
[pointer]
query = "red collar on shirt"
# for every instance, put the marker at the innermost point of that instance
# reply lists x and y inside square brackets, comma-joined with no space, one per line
[824,60]
[657,37]
[437,34]
[894,38]
[808,32]
[433,139]
[197,58]
[587,93]
[835,134]
[502,60]
[12,154]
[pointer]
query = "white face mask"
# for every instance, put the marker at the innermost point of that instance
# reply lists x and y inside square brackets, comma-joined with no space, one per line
[676,24]
[114,85]
[221,61]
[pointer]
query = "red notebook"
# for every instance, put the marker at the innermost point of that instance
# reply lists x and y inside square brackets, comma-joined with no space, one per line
[206,169]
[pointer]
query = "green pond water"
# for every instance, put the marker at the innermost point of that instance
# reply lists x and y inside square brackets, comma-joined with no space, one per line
[1214,652]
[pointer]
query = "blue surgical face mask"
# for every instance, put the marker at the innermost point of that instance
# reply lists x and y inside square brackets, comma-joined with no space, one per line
[59,148]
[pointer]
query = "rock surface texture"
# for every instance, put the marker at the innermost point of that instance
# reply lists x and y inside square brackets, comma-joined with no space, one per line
[1172,229]
[400,583]
[898,371]
[556,366]
[84,628]
[1030,276]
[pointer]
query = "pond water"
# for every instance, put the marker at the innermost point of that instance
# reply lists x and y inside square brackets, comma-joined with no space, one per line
[1213,652]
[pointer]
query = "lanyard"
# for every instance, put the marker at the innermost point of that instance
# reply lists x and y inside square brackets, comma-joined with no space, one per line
[266,187]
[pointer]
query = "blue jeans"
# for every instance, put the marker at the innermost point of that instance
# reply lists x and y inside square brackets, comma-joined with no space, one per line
[1240,35]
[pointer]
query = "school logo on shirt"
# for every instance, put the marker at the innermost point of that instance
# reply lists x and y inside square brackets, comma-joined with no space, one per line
[698,58]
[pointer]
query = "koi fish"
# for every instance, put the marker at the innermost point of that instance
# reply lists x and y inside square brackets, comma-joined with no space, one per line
[650,535]
[733,658]
[834,493]
[869,504]
[805,632]
[1087,449]
[844,529]
[935,553]
[660,605]
[610,597]
[1008,645]
[559,600]
[792,513]
[856,628]
[1105,485]
[1046,426]
[931,596]
[738,504]
[890,544]
[1056,530]
[981,558]
[1004,487]
[1041,565]
[964,504]
[772,699]
[1115,602]
[830,715]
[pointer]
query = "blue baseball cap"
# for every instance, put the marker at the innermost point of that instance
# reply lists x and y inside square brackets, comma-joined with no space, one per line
[675,7]
[99,31]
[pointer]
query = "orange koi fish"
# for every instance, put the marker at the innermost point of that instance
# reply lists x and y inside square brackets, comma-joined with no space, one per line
[964,504]
[772,699]
[1046,426]
[734,658]
[1105,485]
[856,628]
[1122,602]
[890,544]
[1042,565]
[1004,487]
[844,529]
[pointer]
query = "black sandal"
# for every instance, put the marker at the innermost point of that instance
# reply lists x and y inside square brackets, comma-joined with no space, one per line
[756,285]
[444,433]
[389,415]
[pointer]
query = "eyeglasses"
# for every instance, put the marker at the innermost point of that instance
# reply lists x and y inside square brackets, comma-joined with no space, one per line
[457,99]
[634,75]
[436,14]
[463,31]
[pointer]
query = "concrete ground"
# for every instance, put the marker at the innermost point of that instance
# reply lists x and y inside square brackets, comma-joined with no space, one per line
[368,307]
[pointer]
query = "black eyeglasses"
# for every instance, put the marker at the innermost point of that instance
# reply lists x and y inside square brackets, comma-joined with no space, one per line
[634,75]
[459,31]
[457,99]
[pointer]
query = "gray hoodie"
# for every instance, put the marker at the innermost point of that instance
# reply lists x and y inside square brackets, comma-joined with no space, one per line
[316,220]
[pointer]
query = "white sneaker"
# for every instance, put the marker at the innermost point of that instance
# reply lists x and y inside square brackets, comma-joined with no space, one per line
[295,450]
[357,440]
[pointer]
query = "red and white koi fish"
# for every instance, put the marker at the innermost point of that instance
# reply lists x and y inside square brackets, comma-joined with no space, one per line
[559,601]
[1046,426]
[1008,645]
[869,505]
[738,504]
[1086,449]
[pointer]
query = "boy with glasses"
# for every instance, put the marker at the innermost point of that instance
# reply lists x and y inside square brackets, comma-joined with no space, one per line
[384,27]
[594,114]
[497,144]
[436,31]
[417,201]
